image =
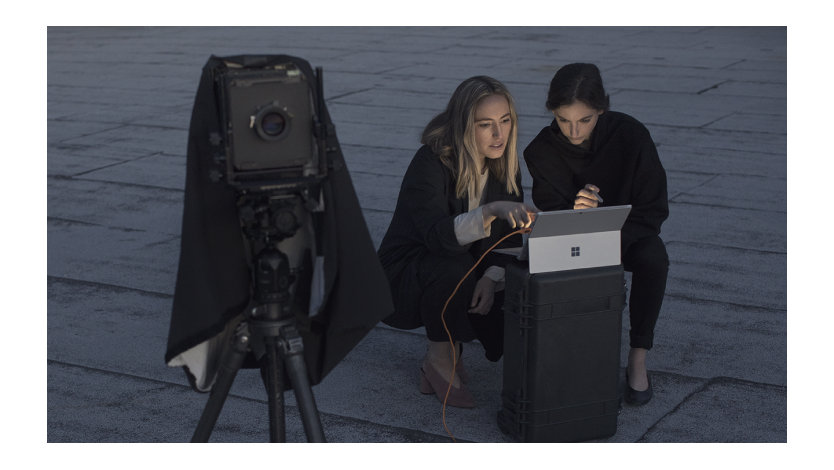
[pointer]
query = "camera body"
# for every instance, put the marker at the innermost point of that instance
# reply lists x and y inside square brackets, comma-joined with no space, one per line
[269,125]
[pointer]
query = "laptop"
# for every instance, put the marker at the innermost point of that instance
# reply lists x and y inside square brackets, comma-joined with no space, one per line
[574,239]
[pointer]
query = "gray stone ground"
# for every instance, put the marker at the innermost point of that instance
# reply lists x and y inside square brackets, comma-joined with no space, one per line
[119,102]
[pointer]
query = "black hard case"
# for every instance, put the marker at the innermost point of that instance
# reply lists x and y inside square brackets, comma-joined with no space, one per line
[561,353]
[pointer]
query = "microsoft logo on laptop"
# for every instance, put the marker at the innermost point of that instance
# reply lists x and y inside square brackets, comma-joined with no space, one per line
[574,251]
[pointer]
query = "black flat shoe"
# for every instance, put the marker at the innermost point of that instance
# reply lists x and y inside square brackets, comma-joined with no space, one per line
[635,397]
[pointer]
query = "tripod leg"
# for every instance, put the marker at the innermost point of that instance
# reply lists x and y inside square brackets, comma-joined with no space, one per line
[230,364]
[293,349]
[275,391]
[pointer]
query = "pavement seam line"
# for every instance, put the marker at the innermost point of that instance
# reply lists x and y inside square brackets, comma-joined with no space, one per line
[69,280]
[119,183]
[701,389]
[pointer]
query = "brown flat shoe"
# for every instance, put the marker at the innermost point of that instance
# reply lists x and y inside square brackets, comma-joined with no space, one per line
[432,382]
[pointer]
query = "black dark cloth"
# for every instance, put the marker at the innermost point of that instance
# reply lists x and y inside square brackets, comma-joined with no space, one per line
[422,258]
[213,283]
[622,161]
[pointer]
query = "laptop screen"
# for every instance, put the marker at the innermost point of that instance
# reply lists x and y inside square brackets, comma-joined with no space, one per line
[570,222]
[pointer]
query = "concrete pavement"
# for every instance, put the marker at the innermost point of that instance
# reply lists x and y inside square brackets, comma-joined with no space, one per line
[119,103]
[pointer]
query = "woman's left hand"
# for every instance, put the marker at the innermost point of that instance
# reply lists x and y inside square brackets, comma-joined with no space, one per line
[483,297]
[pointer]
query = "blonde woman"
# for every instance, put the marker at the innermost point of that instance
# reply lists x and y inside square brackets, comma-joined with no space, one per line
[461,194]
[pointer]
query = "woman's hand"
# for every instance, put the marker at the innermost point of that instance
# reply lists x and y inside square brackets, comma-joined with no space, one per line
[517,214]
[587,198]
[483,297]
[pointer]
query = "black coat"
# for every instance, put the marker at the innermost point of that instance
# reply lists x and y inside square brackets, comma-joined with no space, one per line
[423,222]
[213,283]
[622,162]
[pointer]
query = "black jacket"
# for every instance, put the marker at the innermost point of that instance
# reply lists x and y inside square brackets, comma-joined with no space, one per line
[622,161]
[423,220]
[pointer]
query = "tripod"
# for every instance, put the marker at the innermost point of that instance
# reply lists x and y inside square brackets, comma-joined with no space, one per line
[269,327]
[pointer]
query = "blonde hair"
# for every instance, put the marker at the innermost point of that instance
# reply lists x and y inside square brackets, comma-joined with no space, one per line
[451,135]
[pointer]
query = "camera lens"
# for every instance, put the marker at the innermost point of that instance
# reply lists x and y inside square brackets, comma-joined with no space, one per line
[273,124]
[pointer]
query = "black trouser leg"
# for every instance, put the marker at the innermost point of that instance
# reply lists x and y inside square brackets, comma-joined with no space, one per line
[438,276]
[648,262]
[489,328]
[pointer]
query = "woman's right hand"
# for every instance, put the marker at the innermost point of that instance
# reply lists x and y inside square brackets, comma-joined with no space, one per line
[517,214]
[587,197]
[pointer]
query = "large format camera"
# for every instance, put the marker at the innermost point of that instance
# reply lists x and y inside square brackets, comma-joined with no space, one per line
[276,262]
[273,126]
[252,278]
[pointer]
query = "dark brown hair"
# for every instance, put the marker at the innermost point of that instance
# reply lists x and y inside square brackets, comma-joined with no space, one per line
[577,82]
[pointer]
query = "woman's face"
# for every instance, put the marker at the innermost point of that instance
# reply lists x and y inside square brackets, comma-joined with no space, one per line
[577,120]
[493,123]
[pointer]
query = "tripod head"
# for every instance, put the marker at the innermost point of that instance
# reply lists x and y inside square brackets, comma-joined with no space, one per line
[268,219]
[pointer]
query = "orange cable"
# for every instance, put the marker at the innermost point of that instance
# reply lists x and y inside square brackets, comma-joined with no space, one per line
[449,334]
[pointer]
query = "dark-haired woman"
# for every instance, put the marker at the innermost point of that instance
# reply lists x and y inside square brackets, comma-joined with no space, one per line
[460,195]
[589,154]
